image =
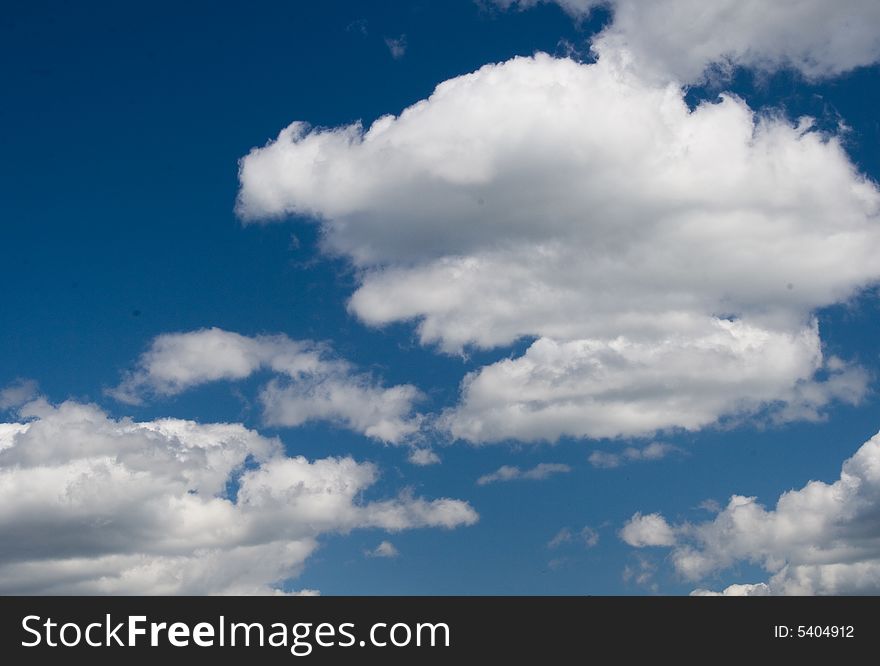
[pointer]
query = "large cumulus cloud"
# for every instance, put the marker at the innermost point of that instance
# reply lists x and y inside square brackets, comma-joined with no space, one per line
[666,260]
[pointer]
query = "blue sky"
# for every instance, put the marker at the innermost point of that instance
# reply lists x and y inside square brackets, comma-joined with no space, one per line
[124,127]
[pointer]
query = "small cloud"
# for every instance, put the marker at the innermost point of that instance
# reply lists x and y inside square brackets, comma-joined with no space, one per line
[569,49]
[653,451]
[510,473]
[604,460]
[503,473]
[648,530]
[736,590]
[310,382]
[18,393]
[397,47]
[423,457]
[557,563]
[642,573]
[562,536]
[587,536]
[709,505]
[359,27]
[384,549]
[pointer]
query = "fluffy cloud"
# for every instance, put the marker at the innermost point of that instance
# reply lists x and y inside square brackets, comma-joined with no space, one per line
[89,504]
[622,387]
[314,386]
[385,549]
[381,413]
[652,451]
[666,260]
[423,457]
[737,590]
[18,393]
[681,38]
[539,472]
[649,530]
[821,539]
[176,362]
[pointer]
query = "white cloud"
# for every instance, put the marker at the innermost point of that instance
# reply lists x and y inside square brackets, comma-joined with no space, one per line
[539,472]
[682,38]
[375,411]
[384,549]
[627,388]
[423,457]
[176,362]
[562,536]
[17,393]
[577,8]
[360,26]
[648,530]
[396,47]
[649,452]
[641,573]
[710,505]
[666,260]
[89,504]
[587,536]
[605,460]
[315,385]
[821,539]
[737,590]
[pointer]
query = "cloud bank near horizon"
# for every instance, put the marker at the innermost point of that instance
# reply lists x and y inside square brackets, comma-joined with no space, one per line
[95,505]
[823,538]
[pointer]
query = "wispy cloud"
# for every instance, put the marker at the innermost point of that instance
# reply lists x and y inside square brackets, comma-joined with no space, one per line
[511,473]
[710,505]
[653,451]
[18,393]
[641,573]
[397,47]
[359,26]
[586,535]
